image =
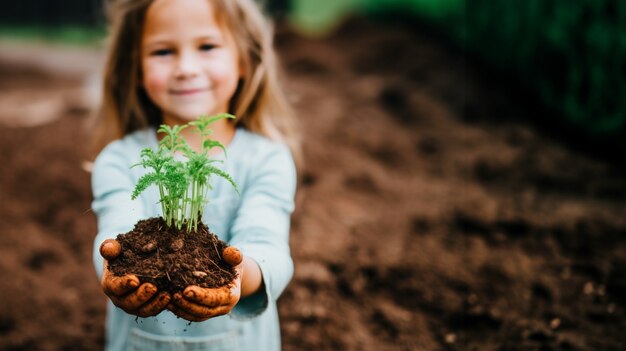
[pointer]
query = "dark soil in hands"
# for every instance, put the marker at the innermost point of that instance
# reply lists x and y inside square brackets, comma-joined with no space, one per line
[172,259]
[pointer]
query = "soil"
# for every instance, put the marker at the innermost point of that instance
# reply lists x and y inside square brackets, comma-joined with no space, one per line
[172,259]
[431,214]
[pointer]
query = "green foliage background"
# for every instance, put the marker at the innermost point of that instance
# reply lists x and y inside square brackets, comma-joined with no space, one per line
[570,54]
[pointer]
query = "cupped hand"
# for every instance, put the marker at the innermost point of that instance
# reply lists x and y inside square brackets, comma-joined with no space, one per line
[198,304]
[127,292]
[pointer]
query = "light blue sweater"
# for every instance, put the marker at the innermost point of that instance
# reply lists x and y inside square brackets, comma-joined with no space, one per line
[256,221]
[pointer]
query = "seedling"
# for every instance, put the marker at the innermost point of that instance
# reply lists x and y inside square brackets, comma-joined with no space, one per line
[183,184]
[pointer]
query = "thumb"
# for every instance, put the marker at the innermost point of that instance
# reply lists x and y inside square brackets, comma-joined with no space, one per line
[110,249]
[232,256]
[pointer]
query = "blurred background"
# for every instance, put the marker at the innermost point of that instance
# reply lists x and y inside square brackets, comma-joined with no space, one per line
[464,185]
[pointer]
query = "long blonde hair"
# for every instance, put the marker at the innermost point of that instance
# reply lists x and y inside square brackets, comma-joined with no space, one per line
[259,103]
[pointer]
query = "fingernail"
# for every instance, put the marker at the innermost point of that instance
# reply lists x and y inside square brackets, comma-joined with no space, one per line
[190,294]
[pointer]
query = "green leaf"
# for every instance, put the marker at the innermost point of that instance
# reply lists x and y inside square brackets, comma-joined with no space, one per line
[209,144]
[172,140]
[203,122]
[144,182]
[224,175]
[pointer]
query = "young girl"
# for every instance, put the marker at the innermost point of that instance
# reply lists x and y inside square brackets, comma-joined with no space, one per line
[170,62]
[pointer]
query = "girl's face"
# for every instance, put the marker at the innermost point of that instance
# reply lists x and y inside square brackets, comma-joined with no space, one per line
[190,66]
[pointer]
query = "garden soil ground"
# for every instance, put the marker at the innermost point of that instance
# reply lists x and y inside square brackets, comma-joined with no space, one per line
[430,216]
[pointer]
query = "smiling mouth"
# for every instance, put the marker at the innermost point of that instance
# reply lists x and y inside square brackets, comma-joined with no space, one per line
[184,92]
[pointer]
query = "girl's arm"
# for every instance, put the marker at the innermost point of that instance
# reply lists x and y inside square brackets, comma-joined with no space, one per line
[261,228]
[261,232]
[112,185]
[252,279]
[116,212]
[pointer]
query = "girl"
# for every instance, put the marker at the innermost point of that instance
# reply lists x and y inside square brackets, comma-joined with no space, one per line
[170,62]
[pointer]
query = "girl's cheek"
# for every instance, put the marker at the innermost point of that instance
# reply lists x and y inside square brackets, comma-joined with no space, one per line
[225,71]
[154,77]
[154,83]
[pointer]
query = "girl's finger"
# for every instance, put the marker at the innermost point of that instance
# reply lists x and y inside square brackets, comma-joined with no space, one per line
[155,306]
[185,315]
[134,300]
[119,286]
[198,310]
[232,255]
[209,297]
[110,249]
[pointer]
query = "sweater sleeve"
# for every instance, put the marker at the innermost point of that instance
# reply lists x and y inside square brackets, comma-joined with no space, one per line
[112,186]
[261,228]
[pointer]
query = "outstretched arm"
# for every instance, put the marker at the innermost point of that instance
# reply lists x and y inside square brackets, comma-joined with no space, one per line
[261,232]
[112,185]
[261,228]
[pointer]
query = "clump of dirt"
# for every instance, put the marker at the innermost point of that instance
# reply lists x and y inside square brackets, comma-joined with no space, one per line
[172,259]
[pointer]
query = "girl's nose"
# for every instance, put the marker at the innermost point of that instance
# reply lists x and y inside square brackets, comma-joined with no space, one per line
[188,65]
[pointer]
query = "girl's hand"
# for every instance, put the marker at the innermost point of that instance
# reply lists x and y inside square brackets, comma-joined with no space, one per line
[126,292]
[198,304]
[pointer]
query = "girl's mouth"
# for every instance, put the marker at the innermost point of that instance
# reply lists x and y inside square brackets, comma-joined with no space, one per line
[185,92]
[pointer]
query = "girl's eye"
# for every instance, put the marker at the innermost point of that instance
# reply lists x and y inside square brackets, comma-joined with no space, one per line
[207,47]
[161,52]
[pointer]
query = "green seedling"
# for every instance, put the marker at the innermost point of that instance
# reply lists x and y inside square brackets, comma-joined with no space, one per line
[183,184]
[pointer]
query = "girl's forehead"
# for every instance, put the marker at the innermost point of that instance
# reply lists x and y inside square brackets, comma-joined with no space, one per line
[175,18]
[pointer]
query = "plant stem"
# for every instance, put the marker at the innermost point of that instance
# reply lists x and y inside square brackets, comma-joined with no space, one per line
[163,207]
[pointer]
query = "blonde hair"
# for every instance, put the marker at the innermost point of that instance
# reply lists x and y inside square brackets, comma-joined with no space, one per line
[259,102]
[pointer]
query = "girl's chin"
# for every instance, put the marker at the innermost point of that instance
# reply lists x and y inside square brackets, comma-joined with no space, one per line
[187,116]
[190,112]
